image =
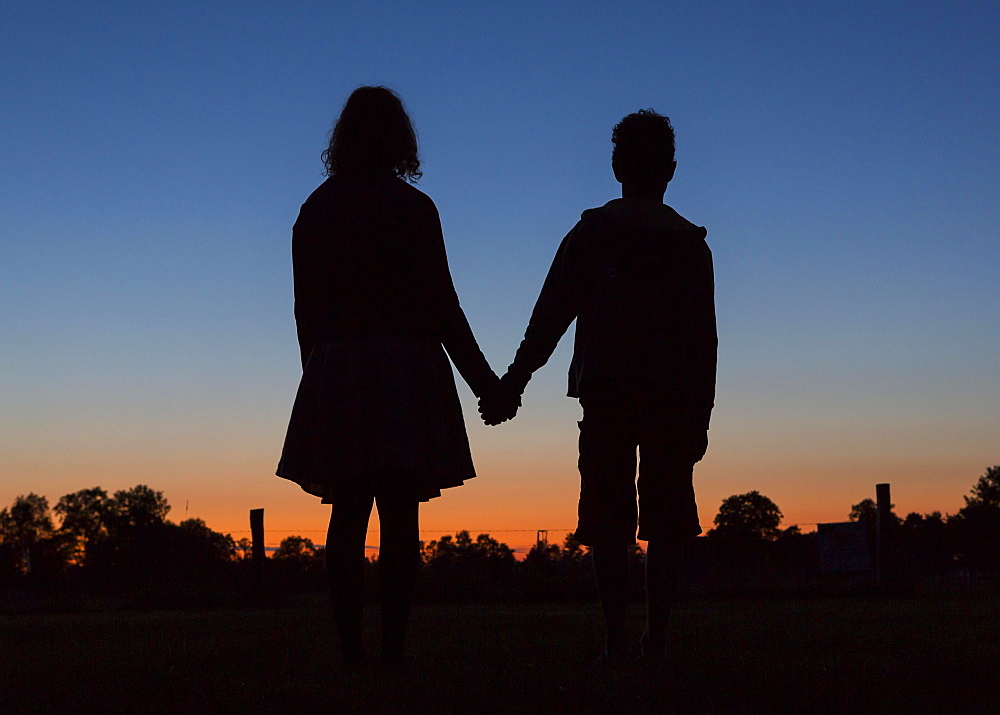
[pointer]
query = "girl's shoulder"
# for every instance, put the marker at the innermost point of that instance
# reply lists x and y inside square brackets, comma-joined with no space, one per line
[408,193]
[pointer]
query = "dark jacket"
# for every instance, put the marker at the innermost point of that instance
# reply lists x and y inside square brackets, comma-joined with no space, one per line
[369,261]
[638,279]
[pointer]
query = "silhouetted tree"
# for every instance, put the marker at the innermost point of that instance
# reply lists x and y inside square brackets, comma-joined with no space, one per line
[297,563]
[28,536]
[747,518]
[160,563]
[84,519]
[986,491]
[244,549]
[295,548]
[551,572]
[458,567]
[121,544]
[791,532]
[548,556]
[27,522]
[572,550]
[492,550]
[977,524]
[926,545]
[216,546]
[544,557]
[461,547]
[447,548]
[136,509]
[866,511]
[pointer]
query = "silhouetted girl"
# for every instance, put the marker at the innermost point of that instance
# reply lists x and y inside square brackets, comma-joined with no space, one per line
[377,416]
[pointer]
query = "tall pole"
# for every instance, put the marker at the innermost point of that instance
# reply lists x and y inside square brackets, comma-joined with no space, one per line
[882,525]
[257,550]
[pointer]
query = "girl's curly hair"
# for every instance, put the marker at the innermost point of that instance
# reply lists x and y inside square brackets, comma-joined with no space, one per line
[373,135]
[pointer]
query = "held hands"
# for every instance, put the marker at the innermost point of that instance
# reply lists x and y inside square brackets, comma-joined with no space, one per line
[501,403]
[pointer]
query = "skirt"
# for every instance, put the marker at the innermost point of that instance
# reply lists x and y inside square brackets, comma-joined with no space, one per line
[374,415]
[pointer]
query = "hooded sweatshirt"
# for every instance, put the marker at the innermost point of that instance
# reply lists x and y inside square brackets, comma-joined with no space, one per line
[638,279]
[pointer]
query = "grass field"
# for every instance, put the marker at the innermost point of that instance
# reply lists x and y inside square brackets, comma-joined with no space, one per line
[794,656]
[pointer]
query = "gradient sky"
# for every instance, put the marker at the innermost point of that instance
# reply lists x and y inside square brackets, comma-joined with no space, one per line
[843,156]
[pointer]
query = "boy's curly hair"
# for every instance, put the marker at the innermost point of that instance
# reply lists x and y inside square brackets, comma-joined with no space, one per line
[644,145]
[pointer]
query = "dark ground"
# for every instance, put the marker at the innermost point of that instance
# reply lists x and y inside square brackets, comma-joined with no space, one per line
[790,656]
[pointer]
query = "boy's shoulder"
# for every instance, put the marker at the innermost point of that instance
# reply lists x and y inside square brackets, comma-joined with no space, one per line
[637,217]
[640,214]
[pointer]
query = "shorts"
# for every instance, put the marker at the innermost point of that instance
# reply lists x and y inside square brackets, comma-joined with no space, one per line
[608,509]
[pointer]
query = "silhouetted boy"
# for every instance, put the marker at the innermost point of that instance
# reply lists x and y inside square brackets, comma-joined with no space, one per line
[638,279]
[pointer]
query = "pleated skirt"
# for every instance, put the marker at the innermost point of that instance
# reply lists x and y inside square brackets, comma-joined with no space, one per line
[377,414]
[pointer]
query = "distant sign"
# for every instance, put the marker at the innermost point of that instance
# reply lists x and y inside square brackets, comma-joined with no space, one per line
[843,547]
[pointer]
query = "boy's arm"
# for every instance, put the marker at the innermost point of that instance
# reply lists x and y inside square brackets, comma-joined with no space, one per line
[555,309]
[705,344]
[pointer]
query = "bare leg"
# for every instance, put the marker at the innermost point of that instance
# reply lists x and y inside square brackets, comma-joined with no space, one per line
[399,558]
[345,569]
[611,571]
[663,562]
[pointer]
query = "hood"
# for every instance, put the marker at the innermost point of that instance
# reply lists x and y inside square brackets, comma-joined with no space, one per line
[646,214]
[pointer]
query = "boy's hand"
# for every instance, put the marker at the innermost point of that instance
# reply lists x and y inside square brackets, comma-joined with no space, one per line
[500,405]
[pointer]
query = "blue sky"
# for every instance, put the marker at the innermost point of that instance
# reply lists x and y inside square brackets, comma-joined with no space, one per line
[842,156]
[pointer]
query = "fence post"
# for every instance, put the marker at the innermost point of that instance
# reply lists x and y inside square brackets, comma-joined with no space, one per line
[882,520]
[257,550]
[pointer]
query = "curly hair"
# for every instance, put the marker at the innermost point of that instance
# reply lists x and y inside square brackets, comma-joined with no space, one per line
[373,135]
[644,144]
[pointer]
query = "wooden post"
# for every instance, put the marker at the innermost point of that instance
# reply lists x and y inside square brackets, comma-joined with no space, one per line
[257,550]
[882,534]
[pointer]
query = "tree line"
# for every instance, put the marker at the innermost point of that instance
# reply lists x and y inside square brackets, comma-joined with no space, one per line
[124,543]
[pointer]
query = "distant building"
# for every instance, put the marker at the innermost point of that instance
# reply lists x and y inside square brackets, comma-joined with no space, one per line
[844,547]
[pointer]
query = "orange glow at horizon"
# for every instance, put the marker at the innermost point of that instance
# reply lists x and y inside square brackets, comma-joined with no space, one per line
[527,482]
[486,505]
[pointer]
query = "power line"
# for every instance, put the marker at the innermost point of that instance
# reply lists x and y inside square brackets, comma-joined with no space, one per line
[377,531]
[448,531]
